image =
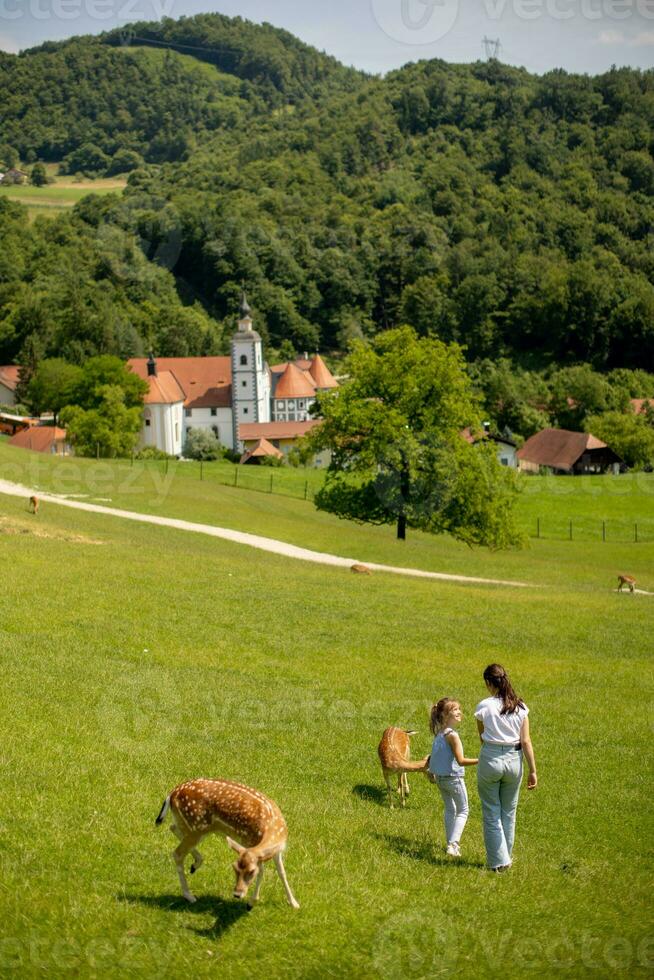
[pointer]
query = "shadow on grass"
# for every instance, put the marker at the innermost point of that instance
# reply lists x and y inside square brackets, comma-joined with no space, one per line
[227,911]
[371,794]
[424,851]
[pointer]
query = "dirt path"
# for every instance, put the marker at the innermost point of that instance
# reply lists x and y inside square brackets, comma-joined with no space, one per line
[241,537]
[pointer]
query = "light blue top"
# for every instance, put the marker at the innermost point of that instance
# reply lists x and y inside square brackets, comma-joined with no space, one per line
[441,760]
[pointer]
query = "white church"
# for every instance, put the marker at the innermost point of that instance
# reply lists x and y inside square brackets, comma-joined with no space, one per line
[246,403]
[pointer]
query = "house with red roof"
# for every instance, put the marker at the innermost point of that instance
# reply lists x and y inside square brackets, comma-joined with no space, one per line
[230,395]
[8,383]
[42,439]
[561,451]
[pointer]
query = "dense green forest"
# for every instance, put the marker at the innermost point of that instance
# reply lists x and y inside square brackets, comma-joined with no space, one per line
[509,212]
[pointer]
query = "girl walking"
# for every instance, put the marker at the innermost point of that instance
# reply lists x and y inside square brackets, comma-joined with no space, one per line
[503,723]
[446,768]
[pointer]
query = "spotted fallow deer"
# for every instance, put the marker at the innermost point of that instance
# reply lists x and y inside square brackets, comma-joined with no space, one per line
[394,751]
[252,824]
[626,580]
[34,505]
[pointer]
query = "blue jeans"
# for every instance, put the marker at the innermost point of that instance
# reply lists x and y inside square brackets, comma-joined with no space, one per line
[499,775]
[455,800]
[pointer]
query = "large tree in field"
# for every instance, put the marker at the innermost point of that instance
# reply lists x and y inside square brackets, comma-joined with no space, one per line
[394,431]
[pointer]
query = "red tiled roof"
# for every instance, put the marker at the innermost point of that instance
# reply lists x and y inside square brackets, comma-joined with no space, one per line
[205,381]
[638,404]
[294,384]
[9,375]
[165,389]
[275,430]
[321,374]
[262,448]
[40,438]
[558,448]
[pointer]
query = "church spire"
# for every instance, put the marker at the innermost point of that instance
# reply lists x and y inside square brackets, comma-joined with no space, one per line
[245,312]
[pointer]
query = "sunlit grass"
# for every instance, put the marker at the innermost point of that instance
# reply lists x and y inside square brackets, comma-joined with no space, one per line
[136,656]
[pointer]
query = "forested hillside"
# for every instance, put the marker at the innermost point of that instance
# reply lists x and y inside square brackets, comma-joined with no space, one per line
[479,203]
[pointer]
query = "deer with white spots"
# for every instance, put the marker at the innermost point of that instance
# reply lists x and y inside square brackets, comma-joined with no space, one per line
[252,824]
[394,751]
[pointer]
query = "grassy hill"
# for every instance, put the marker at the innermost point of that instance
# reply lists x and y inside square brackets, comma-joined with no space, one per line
[586,563]
[135,657]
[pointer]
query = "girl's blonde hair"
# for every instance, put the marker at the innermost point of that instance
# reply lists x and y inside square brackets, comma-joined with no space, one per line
[438,714]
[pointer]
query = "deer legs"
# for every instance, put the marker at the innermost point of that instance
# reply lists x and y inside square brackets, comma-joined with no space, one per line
[185,847]
[281,871]
[198,860]
[258,883]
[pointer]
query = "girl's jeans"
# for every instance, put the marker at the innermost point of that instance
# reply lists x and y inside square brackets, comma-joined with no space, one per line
[455,798]
[499,774]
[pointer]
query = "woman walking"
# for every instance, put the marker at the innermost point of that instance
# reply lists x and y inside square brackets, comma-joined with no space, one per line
[503,723]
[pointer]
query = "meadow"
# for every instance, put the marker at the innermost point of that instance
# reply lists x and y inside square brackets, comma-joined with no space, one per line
[60,195]
[135,657]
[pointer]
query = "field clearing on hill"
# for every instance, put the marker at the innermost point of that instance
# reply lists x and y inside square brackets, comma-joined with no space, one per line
[158,655]
[63,194]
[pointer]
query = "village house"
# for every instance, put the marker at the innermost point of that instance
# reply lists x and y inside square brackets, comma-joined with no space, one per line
[561,451]
[8,383]
[14,176]
[506,448]
[42,439]
[230,395]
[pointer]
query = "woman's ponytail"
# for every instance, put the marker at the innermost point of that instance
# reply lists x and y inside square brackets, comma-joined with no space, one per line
[497,677]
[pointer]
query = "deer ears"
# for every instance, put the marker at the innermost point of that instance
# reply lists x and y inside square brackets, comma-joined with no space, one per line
[234,845]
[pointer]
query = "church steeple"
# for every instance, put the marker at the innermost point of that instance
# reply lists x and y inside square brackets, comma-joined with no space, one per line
[250,377]
[245,313]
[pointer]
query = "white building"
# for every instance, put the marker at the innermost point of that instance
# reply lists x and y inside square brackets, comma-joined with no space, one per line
[225,393]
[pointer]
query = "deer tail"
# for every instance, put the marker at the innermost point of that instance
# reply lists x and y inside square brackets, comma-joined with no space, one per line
[410,731]
[163,811]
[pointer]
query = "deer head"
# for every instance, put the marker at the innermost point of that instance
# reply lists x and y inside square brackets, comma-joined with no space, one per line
[247,866]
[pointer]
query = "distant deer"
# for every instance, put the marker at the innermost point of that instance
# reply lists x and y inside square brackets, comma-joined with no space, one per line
[360,569]
[34,505]
[626,580]
[394,751]
[219,806]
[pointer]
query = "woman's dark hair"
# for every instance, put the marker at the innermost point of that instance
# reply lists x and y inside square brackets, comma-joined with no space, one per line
[497,677]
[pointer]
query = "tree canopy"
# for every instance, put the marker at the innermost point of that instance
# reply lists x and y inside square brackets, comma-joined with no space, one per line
[398,456]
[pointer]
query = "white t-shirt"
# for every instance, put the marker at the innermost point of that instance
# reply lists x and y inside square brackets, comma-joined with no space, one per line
[500,729]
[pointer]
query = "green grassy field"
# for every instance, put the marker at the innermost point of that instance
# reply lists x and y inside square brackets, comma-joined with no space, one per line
[60,195]
[587,562]
[136,657]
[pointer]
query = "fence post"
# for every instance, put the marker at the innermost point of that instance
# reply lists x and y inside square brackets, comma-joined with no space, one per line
[132,462]
[306,488]
[97,450]
[236,475]
[166,466]
[201,476]
[571,530]
[603,530]
[538,527]
[271,483]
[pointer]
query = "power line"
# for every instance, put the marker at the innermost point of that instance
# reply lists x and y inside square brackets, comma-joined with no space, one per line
[492,47]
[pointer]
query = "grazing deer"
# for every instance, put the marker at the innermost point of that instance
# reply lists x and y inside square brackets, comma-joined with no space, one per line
[626,580]
[394,751]
[34,505]
[360,569]
[252,825]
